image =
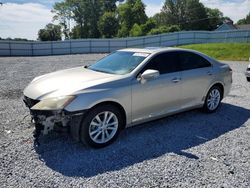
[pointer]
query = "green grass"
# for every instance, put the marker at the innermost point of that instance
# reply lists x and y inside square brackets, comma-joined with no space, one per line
[223,51]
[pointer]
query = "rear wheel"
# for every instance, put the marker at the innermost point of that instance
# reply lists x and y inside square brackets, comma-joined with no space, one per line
[213,99]
[248,79]
[101,126]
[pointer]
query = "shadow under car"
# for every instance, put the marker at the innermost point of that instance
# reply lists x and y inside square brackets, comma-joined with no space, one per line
[144,142]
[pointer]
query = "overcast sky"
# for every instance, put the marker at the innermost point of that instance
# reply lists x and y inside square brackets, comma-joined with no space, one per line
[23,18]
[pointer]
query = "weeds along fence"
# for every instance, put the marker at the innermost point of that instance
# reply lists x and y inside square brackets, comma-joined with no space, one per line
[36,48]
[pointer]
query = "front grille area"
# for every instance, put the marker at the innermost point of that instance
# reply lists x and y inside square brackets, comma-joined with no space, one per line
[29,102]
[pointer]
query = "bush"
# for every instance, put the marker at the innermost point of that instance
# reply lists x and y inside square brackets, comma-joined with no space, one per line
[136,31]
[174,28]
[148,26]
[164,29]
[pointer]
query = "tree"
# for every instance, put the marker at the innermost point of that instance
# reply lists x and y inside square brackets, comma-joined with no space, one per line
[75,32]
[79,14]
[94,12]
[173,12]
[138,12]
[125,17]
[130,13]
[86,14]
[51,32]
[109,6]
[63,14]
[108,25]
[244,20]
[148,26]
[196,16]
[159,19]
[188,14]
[215,17]
[136,31]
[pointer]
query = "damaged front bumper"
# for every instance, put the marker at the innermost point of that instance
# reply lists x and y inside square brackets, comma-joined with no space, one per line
[47,120]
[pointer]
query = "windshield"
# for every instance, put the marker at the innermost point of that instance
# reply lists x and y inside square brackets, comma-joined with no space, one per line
[119,62]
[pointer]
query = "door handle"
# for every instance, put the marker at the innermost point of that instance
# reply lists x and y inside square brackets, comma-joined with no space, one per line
[176,80]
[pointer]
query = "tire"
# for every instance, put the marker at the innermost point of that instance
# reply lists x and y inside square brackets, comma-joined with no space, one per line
[248,79]
[94,132]
[213,99]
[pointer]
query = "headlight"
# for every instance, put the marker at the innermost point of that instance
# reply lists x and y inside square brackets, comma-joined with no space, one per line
[57,103]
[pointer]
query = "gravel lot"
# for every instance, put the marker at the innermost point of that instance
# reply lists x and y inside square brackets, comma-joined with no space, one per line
[191,149]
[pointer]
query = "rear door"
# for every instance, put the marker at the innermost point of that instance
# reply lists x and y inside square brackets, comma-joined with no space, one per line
[197,74]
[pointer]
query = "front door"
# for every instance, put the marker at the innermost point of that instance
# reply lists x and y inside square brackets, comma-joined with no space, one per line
[159,95]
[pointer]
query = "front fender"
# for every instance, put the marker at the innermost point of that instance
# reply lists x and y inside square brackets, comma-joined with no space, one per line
[89,99]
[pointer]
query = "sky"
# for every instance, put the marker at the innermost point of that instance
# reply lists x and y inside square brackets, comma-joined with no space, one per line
[23,18]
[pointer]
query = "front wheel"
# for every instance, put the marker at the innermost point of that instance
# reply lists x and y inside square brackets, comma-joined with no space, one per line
[101,126]
[213,99]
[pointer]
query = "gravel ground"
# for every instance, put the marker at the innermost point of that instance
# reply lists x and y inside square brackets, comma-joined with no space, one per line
[191,149]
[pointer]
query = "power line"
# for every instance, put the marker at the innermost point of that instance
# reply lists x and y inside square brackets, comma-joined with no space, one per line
[197,20]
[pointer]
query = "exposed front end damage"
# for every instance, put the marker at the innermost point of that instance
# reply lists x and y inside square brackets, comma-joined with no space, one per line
[45,121]
[48,120]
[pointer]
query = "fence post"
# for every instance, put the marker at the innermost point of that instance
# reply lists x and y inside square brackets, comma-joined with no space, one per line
[178,38]
[225,38]
[90,46]
[208,37]
[160,40]
[194,39]
[70,51]
[10,48]
[109,51]
[32,53]
[51,48]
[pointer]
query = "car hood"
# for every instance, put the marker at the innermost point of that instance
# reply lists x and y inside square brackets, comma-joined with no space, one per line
[65,82]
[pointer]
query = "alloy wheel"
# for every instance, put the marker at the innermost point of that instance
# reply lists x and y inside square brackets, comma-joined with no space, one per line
[103,127]
[213,99]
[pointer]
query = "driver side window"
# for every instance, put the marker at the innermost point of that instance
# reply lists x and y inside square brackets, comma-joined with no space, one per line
[164,63]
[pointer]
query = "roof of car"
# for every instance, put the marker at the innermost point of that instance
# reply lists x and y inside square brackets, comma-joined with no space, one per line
[150,49]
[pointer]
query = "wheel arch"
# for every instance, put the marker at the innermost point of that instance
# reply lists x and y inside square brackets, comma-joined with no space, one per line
[116,104]
[219,84]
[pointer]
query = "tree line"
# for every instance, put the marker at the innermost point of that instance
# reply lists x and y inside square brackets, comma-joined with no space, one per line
[106,19]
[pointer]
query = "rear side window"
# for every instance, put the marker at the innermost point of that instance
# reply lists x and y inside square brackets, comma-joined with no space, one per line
[191,60]
[164,63]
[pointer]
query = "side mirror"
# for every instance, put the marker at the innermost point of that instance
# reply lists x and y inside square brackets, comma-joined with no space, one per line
[150,74]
